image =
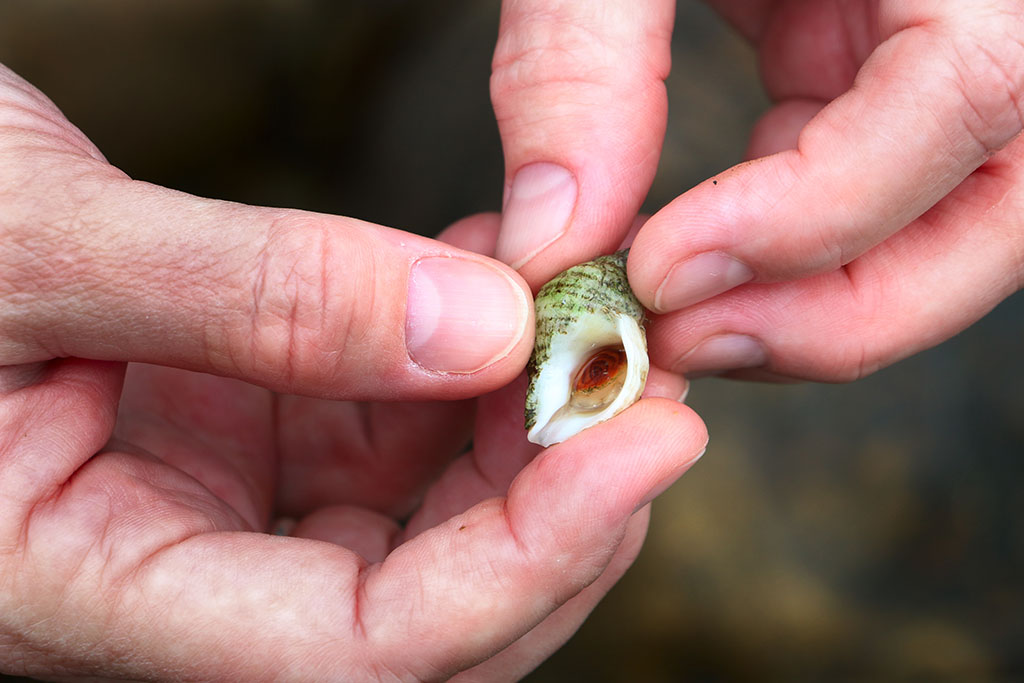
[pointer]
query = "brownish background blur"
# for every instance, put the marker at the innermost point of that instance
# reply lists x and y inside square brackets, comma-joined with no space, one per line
[864,531]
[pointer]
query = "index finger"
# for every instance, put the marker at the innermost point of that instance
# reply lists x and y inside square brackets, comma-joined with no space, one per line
[930,105]
[578,93]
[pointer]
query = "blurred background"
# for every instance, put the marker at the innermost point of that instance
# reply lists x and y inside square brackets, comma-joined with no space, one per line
[871,530]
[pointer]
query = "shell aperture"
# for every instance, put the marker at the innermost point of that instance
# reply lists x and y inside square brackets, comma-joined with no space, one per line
[589,359]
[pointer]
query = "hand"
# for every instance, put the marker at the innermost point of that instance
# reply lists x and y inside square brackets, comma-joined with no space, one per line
[880,214]
[132,505]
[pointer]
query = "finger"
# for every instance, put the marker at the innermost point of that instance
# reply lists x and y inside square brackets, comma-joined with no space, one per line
[868,164]
[665,384]
[779,128]
[297,302]
[52,419]
[813,50]
[477,233]
[368,533]
[920,287]
[219,431]
[522,656]
[579,96]
[500,452]
[555,533]
[349,453]
[371,536]
[380,456]
[25,108]
[440,603]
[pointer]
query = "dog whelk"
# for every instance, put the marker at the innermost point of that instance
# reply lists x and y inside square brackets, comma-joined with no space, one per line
[589,359]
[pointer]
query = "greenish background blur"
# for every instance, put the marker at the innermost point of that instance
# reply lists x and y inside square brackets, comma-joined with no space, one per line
[868,531]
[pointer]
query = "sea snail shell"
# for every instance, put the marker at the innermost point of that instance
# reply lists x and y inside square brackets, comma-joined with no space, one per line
[589,359]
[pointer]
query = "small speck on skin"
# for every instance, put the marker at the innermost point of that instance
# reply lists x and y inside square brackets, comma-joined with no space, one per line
[462,528]
[714,182]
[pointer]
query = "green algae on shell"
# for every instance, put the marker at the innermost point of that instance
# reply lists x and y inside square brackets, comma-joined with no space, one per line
[589,359]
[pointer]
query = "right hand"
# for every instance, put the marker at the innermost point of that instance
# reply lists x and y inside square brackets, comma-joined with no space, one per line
[882,213]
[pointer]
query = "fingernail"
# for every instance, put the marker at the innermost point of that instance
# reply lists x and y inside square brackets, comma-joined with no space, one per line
[686,392]
[462,315]
[723,352]
[537,212]
[700,277]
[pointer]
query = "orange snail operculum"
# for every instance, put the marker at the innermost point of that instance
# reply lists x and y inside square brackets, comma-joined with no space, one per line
[599,380]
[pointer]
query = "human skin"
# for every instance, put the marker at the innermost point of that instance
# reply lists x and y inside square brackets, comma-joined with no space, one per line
[879,213]
[136,498]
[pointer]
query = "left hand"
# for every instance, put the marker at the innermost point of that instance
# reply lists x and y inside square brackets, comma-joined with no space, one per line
[139,555]
[882,212]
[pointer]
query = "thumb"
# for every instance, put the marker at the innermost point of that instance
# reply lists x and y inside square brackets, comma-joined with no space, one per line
[117,269]
[580,101]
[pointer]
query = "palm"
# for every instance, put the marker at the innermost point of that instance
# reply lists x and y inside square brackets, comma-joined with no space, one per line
[267,455]
[195,455]
[227,456]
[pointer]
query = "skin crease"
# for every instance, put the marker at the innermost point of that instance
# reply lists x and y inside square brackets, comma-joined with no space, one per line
[890,168]
[135,497]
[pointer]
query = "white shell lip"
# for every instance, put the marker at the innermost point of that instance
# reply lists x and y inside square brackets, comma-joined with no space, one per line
[591,332]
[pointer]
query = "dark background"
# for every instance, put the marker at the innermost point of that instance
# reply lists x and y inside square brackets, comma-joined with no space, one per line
[871,530]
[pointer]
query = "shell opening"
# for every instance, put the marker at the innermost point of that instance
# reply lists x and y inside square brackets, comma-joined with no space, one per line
[589,361]
[594,375]
[599,379]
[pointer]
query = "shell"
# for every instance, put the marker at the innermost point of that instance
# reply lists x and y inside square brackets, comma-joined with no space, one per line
[589,359]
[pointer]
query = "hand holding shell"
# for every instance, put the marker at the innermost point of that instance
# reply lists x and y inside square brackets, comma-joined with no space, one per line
[589,359]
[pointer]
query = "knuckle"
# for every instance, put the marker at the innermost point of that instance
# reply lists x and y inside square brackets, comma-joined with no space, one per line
[595,53]
[306,315]
[868,339]
[855,362]
[544,52]
[988,70]
[47,188]
[854,356]
[38,266]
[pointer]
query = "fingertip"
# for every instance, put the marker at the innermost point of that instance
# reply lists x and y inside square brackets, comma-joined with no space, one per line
[581,143]
[538,208]
[634,230]
[723,352]
[672,425]
[605,473]
[716,236]
[664,384]
[559,528]
[680,255]
[477,233]
[779,128]
[361,530]
[467,315]
[547,223]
